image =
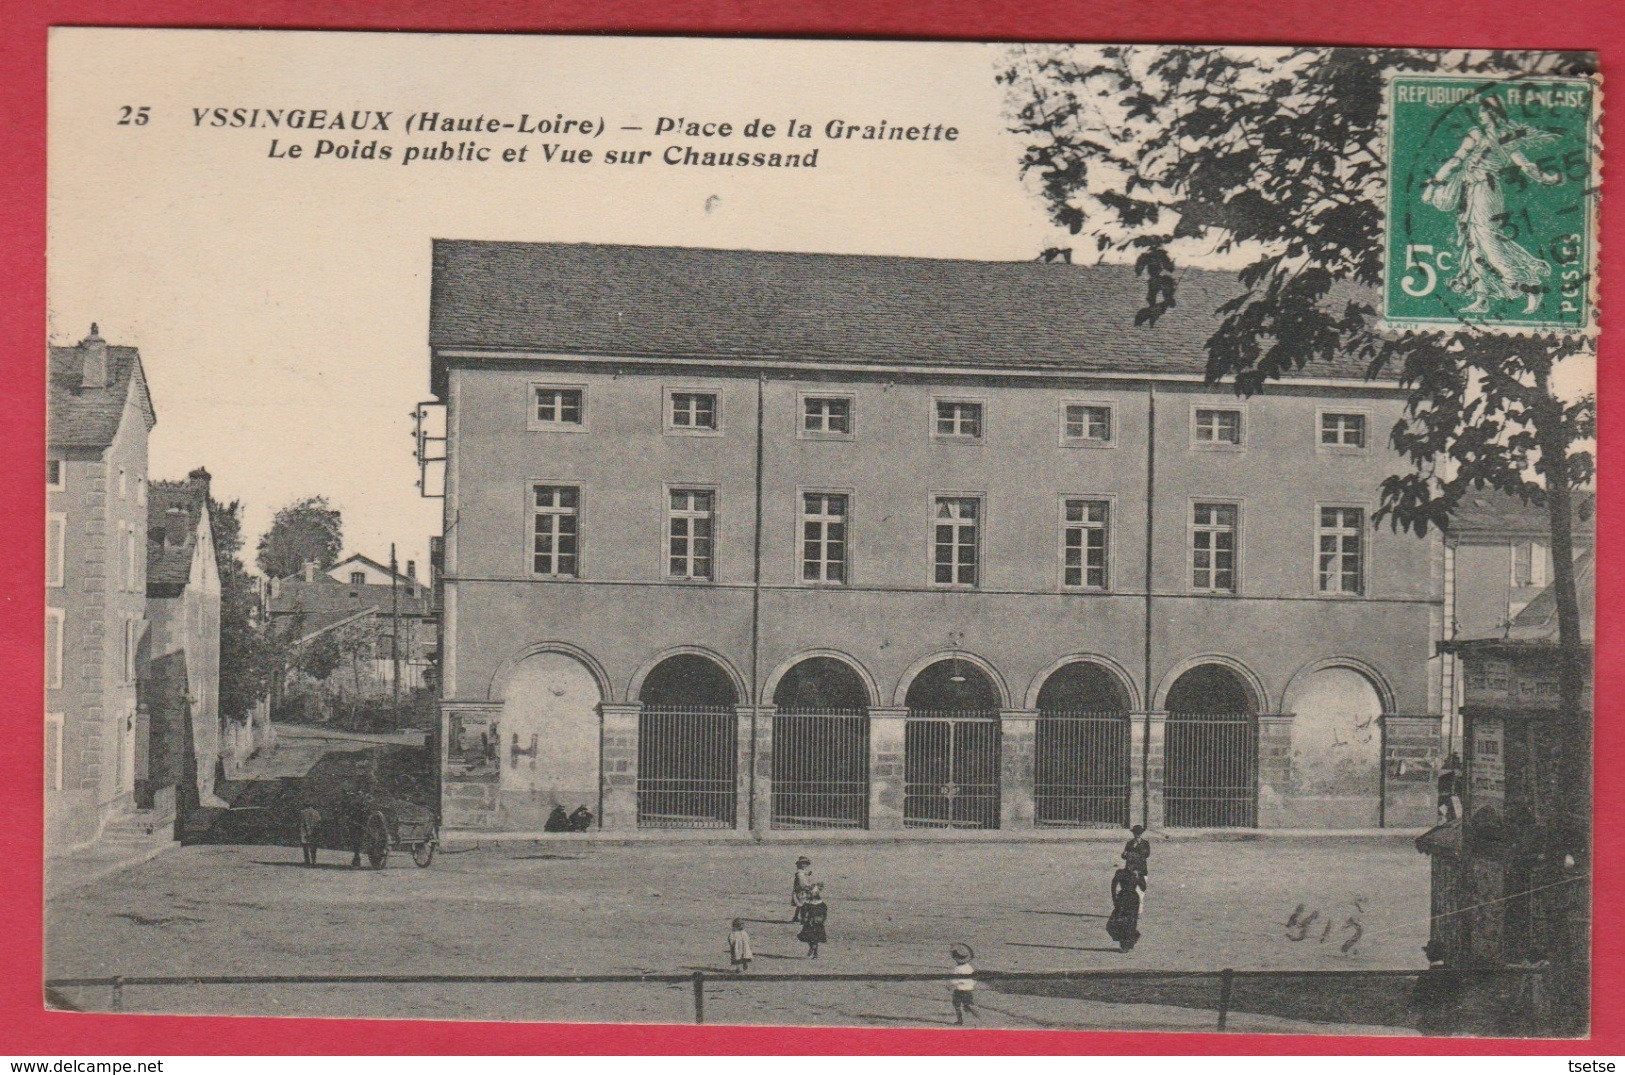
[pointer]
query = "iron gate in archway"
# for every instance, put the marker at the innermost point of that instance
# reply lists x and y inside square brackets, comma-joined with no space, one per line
[951,769]
[821,768]
[1081,769]
[1211,770]
[688,761]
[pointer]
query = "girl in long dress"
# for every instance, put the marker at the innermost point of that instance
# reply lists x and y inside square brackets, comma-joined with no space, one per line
[1124,924]
[813,912]
[1492,264]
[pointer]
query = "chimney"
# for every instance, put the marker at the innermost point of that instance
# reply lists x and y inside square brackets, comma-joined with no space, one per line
[177,527]
[411,569]
[310,570]
[198,483]
[95,368]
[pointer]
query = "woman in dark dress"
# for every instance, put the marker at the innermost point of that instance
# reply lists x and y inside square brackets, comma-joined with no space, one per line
[1124,924]
[812,913]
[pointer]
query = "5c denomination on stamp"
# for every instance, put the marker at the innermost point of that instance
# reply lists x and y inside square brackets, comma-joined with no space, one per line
[1491,203]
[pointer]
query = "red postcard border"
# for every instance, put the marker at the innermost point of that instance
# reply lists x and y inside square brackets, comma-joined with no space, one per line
[28,1029]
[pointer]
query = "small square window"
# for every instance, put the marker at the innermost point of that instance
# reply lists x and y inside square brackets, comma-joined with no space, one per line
[828,416]
[1342,430]
[958,419]
[53,473]
[358,578]
[693,412]
[1216,426]
[554,407]
[1086,423]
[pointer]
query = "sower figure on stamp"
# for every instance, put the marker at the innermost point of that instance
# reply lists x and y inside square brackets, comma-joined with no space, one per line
[1469,184]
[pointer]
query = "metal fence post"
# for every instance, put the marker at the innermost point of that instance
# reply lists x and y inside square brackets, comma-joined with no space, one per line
[699,996]
[1226,977]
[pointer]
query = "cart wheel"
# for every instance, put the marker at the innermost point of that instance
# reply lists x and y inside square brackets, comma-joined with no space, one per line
[423,854]
[375,841]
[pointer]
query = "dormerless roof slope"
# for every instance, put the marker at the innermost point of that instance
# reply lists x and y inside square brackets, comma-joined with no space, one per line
[657,301]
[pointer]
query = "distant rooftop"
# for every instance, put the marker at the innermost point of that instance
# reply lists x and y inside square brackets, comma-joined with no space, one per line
[1494,514]
[679,302]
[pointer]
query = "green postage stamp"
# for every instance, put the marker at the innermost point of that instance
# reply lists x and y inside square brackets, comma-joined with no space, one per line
[1492,187]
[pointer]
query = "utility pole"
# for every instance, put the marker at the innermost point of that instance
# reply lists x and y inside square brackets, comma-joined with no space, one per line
[394,641]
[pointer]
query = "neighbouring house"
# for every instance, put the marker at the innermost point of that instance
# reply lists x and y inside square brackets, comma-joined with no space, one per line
[1504,890]
[180,741]
[1498,558]
[98,418]
[775,540]
[365,601]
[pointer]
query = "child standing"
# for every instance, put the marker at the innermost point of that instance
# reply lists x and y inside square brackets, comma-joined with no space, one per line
[963,987]
[799,888]
[813,912]
[739,953]
[310,819]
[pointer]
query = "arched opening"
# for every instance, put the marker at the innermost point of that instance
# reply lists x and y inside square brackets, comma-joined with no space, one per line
[688,745]
[951,748]
[549,723]
[1336,750]
[821,747]
[1081,751]
[1211,750]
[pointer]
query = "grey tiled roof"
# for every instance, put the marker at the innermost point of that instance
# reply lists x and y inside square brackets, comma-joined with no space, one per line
[81,417]
[1497,515]
[1538,620]
[882,311]
[169,566]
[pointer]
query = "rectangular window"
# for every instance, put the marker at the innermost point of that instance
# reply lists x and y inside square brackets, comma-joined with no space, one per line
[690,520]
[826,415]
[1213,548]
[132,639]
[53,751]
[1218,426]
[123,484]
[557,406]
[358,578]
[1342,430]
[556,531]
[1084,549]
[956,522]
[53,474]
[55,623]
[1087,423]
[823,537]
[693,411]
[141,492]
[959,418]
[1342,553]
[56,540]
[128,559]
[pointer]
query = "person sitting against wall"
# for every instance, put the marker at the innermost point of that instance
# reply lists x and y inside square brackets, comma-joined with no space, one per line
[557,821]
[581,819]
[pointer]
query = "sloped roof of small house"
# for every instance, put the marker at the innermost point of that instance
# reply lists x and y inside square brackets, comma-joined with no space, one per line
[1488,513]
[80,417]
[169,564]
[679,302]
[1536,624]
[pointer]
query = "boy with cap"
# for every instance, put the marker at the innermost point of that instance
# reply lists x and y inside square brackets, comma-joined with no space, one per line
[963,987]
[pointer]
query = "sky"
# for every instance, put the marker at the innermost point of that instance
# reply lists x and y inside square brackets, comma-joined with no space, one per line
[281,304]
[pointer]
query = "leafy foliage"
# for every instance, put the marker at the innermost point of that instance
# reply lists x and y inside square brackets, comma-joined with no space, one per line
[247,652]
[310,529]
[1272,159]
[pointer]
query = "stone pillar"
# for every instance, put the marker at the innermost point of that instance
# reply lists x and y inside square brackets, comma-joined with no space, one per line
[887,727]
[755,797]
[1410,767]
[619,763]
[1274,770]
[1155,727]
[1018,732]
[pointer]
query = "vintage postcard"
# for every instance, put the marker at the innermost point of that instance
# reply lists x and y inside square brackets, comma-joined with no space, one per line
[815,532]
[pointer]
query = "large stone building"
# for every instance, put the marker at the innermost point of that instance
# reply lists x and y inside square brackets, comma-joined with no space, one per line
[739,539]
[99,415]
